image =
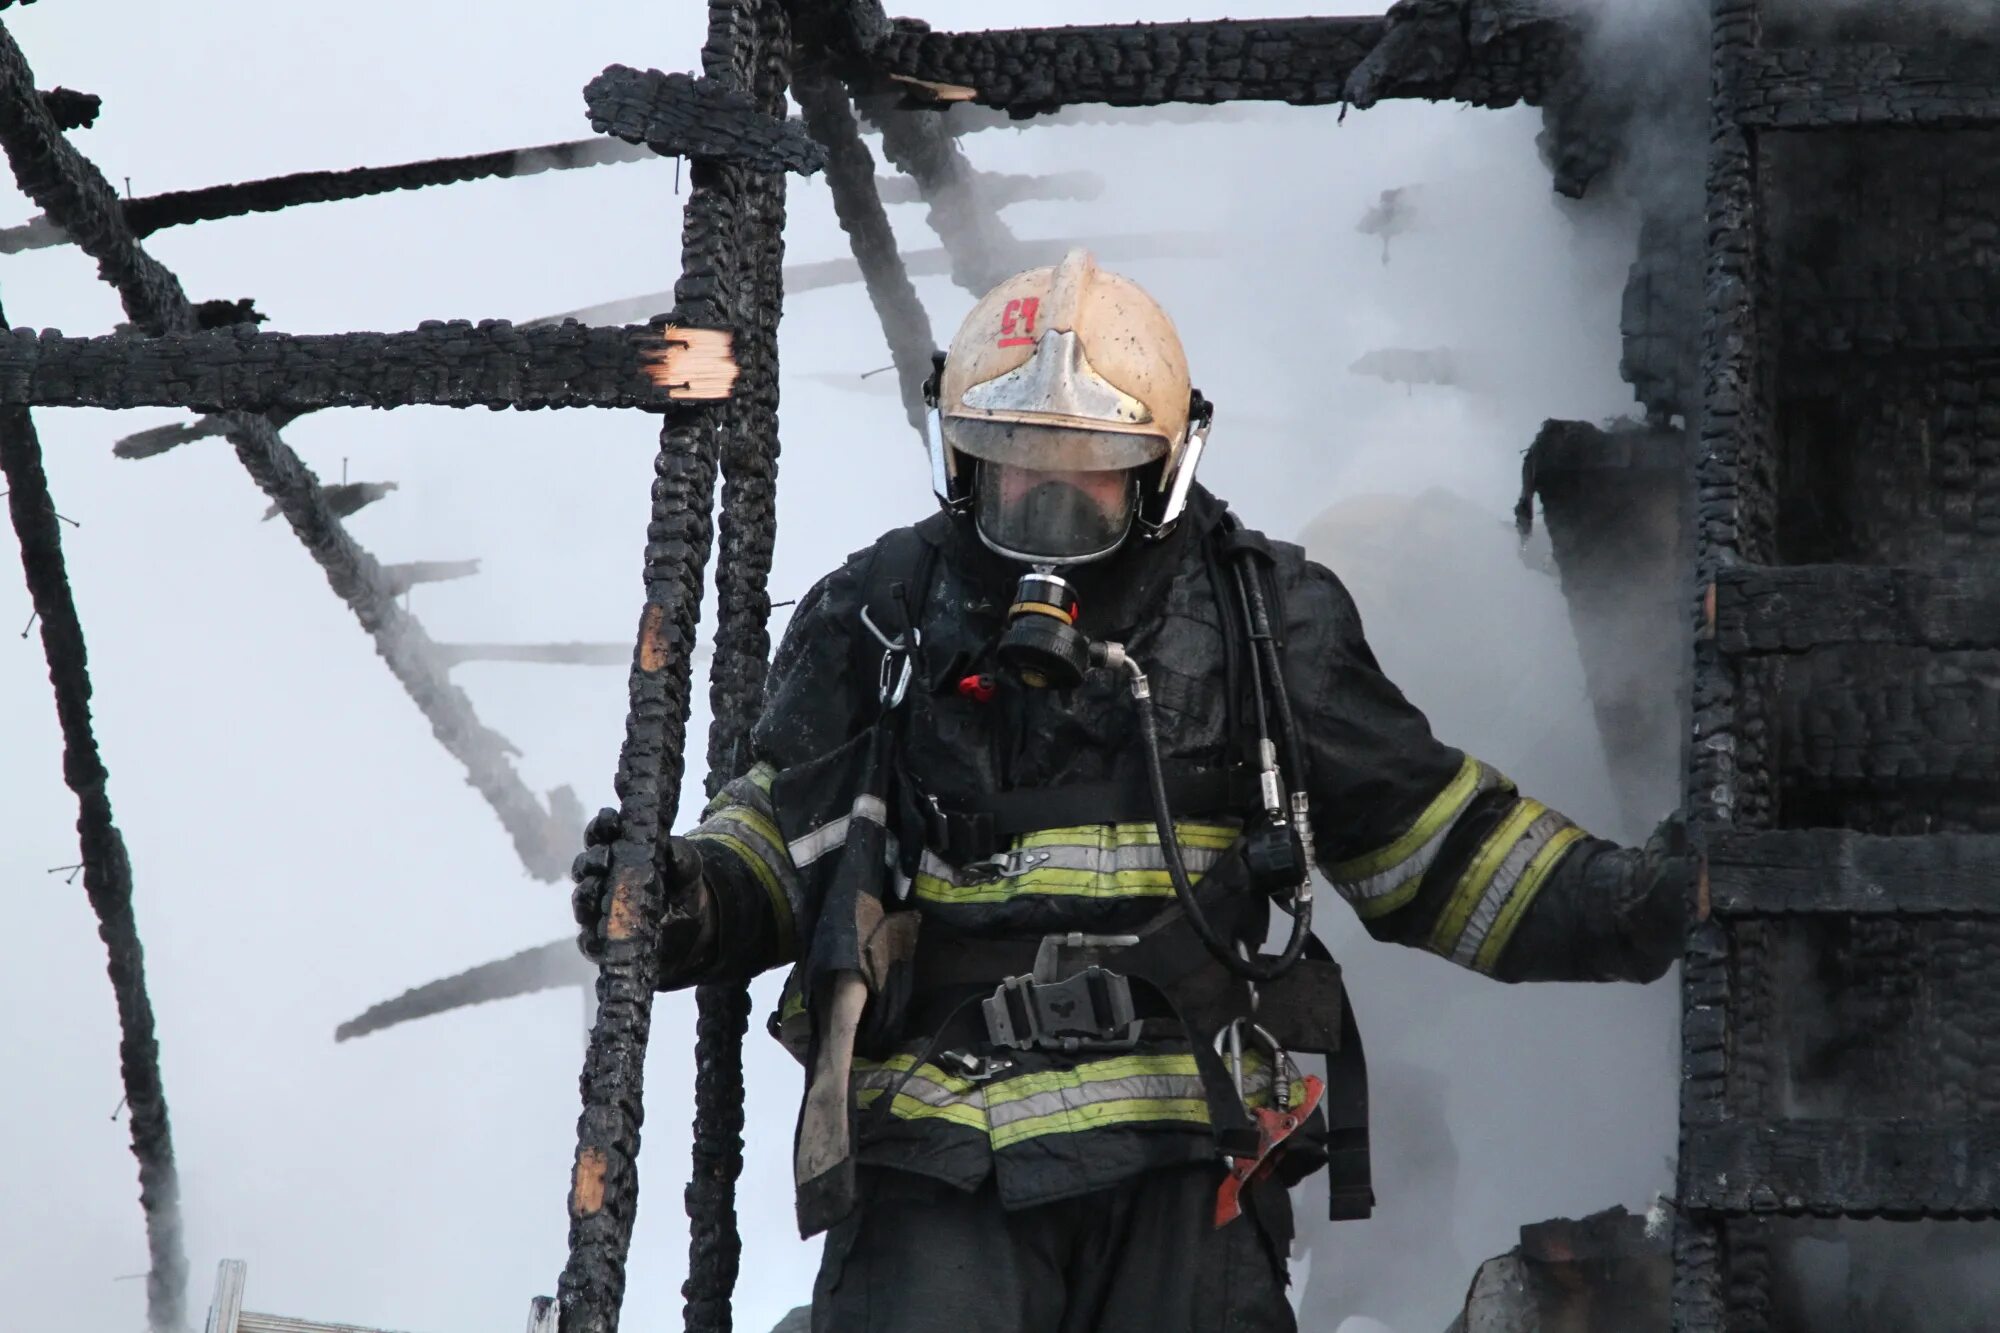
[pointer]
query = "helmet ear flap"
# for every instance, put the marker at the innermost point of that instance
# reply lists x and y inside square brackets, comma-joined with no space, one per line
[1165,499]
[950,479]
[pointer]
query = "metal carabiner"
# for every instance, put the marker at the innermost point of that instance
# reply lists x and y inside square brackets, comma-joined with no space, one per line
[890,684]
[1229,1041]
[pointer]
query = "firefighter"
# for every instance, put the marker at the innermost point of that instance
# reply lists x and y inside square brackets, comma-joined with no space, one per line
[1033,781]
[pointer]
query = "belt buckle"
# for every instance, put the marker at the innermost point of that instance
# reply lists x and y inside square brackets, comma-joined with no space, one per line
[1042,1011]
[1006,865]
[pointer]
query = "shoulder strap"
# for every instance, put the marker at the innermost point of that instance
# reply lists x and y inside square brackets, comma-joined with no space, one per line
[895,583]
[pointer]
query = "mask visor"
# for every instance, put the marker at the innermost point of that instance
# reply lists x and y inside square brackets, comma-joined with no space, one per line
[1043,517]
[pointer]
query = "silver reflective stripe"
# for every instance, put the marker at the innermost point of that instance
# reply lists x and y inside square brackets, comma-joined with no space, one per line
[1091,858]
[1535,837]
[918,1088]
[1412,866]
[809,847]
[1162,1087]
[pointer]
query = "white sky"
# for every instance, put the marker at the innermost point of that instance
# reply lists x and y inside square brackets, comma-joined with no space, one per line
[302,847]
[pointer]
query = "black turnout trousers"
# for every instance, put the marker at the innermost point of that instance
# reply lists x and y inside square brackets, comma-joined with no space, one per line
[921,1256]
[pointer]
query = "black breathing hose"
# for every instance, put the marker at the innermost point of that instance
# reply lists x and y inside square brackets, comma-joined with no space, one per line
[1170,848]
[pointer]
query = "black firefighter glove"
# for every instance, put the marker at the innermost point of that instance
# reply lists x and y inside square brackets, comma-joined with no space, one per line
[687,936]
[1649,893]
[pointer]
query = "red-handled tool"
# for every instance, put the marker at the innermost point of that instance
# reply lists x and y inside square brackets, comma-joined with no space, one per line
[1273,1128]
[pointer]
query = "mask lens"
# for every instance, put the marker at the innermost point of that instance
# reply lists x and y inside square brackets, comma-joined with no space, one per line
[1052,517]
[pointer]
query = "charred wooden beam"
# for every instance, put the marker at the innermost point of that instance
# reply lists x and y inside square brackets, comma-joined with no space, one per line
[76,196]
[1897,1168]
[732,257]
[1725,773]
[72,110]
[546,967]
[399,579]
[850,175]
[1956,315]
[1491,54]
[458,364]
[971,230]
[107,869]
[1868,85]
[178,208]
[548,654]
[1796,871]
[683,116]
[1000,188]
[1796,608]
[1873,716]
[1304,61]
[821,274]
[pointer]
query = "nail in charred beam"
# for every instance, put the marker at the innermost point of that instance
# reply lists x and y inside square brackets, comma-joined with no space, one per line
[683,116]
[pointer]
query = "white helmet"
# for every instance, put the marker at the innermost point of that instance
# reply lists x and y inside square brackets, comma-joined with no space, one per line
[1062,416]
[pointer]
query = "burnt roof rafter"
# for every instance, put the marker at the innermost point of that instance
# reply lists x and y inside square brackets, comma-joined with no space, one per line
[1485,52]
[456,364]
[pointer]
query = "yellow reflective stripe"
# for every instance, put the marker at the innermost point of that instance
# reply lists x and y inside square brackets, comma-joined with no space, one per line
[1099,1115]
[906,1107]
[1097,1071]
[1524,894]
[761,776]
[1485,864]
[1211,837]
[1435,816]
[897,1064]
[781,906]
[1054,883]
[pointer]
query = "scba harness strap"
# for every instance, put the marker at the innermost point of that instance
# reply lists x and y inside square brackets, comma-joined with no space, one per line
[996,993]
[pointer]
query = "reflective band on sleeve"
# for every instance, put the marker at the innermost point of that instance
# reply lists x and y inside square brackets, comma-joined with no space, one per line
[740,818]
[1386,879]
[1524,896]
[1496,871]
[781,906]
[810,847]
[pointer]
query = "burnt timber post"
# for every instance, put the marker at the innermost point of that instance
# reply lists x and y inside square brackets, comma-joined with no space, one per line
[1841,1043]
[732,260]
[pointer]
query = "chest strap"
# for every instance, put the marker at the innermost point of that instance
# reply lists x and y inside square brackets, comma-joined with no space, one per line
[975,830]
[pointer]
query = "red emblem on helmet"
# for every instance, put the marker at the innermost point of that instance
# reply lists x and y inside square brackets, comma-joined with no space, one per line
[1017,322]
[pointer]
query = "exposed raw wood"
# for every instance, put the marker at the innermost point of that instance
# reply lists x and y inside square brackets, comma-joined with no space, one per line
[692,365]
